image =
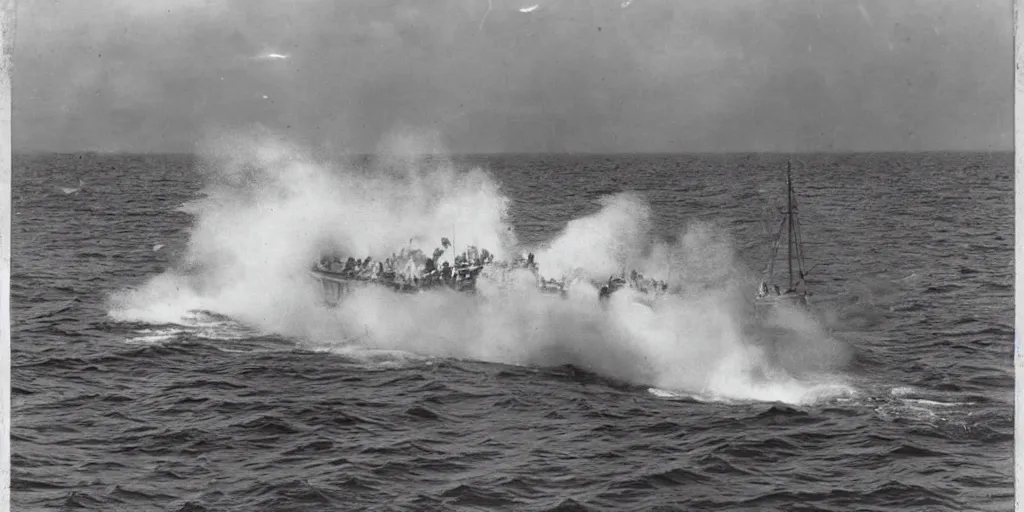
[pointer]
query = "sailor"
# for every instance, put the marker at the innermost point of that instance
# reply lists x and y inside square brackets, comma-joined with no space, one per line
[446,254]
[417,256]
[446,272]
[410,269]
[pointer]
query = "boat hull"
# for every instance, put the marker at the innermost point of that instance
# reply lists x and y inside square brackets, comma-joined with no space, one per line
[335,286]
[765,305]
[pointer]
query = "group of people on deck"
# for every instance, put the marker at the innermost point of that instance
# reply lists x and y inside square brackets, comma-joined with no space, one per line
[639,282]
[636,281]
[412,267]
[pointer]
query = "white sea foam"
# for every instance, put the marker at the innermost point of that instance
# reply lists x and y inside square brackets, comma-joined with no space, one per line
[268,210]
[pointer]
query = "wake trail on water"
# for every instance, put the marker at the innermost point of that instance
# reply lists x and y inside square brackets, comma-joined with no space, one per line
[269,209]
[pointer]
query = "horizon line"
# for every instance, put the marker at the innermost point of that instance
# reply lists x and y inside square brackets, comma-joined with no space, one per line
[549,153]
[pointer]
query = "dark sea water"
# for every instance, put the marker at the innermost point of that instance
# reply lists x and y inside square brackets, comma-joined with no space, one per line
[166,405]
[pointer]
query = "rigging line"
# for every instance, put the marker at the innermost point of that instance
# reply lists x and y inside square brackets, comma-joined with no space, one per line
[775,248]
[789,212]
[799,239]
[800,251]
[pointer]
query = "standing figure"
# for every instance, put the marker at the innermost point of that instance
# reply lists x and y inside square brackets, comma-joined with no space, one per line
[446,255]
[446,272]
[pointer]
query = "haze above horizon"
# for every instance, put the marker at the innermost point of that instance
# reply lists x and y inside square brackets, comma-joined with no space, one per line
[486,77]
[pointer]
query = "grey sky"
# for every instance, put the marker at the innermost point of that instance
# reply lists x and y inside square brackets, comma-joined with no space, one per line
[573,75]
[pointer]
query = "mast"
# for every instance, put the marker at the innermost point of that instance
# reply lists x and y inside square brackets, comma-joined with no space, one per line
[789,211]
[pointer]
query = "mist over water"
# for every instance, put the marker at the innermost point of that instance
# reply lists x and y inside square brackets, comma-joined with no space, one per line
[269,208]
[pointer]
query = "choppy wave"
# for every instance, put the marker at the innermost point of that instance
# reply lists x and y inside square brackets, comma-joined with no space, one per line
[195,380]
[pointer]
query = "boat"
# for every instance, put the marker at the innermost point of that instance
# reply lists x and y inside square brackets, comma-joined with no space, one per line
[649,290]
[769,293]
[414,272]
[336,283]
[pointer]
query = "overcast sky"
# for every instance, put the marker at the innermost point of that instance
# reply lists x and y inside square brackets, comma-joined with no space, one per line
[571,75]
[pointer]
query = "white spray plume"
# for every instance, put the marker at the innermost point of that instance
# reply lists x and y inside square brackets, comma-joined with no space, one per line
[268,211]
[603,243]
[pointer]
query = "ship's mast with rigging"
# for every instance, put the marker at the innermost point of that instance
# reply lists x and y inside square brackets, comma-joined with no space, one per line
[789,212]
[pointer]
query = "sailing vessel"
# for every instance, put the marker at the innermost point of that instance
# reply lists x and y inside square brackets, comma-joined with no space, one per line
[795,292]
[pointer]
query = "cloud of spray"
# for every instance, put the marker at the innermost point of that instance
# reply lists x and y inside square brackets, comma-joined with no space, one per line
[269,210]
[601,244]
[619,238]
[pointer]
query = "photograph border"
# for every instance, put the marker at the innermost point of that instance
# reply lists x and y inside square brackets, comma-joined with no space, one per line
[7,32]
[7,28]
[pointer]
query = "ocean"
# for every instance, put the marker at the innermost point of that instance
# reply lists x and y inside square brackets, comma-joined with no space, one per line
[168,353]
